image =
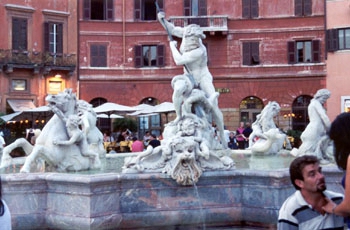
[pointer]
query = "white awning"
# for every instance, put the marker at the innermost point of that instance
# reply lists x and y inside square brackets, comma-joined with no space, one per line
[21,105]
[10,117]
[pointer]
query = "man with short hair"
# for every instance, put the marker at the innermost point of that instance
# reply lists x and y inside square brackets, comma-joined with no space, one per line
[303,209]
[153,141]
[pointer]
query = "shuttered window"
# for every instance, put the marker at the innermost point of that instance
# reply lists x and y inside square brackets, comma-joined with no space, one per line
[19,33]
[196,8]
[250,8]
[291,52]
[316,51]
[53,37]
[344,39]
[338,39]
[251,53]
[98,55]
[304,51]
[145,10]
[302,7]
[98,10]
[149,56]
[332,40]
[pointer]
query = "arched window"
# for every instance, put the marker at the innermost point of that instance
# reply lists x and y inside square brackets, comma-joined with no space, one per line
[299,109]
[250,107]
[98,101]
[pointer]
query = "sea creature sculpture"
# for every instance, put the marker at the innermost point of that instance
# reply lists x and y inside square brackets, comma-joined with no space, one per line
[53,149]
[266,138]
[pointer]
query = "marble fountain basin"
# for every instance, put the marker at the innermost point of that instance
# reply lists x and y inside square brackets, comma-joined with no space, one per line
[249,195]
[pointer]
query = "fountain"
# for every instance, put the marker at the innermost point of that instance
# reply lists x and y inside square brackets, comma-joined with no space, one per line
[190,181]
[250,195]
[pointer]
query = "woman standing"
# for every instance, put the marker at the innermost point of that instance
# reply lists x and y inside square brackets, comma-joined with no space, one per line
[240,136]
[340,134]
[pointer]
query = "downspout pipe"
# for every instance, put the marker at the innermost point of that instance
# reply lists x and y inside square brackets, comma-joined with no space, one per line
[78,49]
[325,30]
[124,52]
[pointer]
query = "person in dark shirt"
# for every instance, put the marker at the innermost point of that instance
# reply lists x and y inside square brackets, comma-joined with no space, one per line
[246,132]
[153,141]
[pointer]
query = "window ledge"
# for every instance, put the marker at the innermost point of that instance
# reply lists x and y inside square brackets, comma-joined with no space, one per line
[19,8]
[55,13]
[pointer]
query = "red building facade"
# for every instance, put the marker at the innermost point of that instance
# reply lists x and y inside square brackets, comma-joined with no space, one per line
[38,51]
[259,51]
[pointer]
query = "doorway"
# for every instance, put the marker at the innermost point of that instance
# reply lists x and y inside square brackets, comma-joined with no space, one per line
[250,107]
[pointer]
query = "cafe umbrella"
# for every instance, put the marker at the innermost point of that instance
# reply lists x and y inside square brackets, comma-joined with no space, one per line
[111,108]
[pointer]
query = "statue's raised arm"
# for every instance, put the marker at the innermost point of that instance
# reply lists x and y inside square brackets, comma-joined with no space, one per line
[170,28]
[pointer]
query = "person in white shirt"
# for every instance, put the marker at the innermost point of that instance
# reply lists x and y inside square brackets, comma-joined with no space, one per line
[2,143]
[5,215]
[303,210]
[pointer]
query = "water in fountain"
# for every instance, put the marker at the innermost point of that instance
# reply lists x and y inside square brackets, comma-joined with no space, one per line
[202,214]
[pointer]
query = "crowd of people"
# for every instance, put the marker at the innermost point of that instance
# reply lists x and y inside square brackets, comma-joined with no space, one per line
[239,139]
[126,141]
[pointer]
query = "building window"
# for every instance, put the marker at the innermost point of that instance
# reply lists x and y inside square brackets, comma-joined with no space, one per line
[338,39]
[19,33]
[345,104]
[303,7]
[98,101]
[344,39]
[196,8]
[304,51]
[19,85]
[149,55]
[53,37]
[250,107]
[98,10]
[145,10]
[250,8]
[251,53]
[55,86]
[98,56]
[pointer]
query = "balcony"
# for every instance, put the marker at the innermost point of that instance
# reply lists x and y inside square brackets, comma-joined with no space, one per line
[23,59]
[211,24]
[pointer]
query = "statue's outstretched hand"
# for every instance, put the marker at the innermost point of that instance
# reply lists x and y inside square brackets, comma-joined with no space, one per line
[173,43]
[56,142]
[161,15]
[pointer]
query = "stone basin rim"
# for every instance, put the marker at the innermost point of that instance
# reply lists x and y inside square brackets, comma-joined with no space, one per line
[107,176]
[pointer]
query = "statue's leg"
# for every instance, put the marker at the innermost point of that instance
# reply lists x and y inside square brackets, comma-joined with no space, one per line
[38,152]
[251,140]
[178,99]
[209,89]
[322,147]
[181,88]
[219,121]
[204,150]
[85,151]
[6,158]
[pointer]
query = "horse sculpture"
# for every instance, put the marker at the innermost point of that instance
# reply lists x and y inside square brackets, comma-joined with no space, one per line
[57,157]
[266,138]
